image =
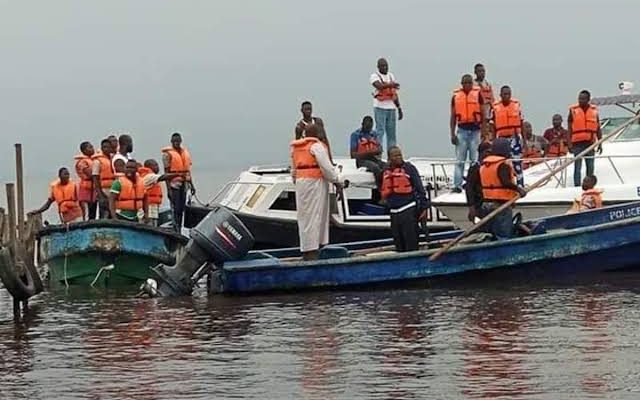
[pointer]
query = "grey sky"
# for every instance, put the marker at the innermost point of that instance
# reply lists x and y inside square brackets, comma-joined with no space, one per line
[231,75]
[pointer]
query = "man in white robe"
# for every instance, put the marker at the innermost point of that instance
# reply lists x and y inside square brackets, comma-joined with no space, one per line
[312,193]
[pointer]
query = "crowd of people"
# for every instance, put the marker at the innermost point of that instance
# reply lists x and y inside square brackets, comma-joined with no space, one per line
[479,125]
[111,184]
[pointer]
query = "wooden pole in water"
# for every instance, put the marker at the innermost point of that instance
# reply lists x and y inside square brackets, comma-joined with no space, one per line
[20,192]
[11,208]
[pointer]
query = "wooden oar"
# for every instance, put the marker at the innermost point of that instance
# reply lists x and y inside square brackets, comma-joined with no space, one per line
[528,189]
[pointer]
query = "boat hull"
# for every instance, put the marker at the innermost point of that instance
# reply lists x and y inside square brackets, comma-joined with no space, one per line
[105,253]
[561,254]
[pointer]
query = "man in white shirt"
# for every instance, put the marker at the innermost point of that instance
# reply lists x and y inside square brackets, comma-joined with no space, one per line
[385,102]
[120,158]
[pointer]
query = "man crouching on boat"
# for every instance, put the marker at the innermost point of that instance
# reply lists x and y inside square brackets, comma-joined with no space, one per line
[405,196]
[312,172]
[498,180]
[128,199]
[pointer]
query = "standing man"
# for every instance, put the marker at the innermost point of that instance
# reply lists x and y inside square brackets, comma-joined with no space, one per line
[535,145]
[64,193]
[128,200]
[86,190]
[177,160]
[385,102]
[486,91]
[507,123]
[466,114]
[150,174]
[406,199]
[557,137]
[499,186]
[306,108]
[113,139]
[313,171]
[584,130]
[120,158]
[103,176]
[366,149]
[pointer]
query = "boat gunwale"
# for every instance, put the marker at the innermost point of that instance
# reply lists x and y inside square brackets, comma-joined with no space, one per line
[105,223]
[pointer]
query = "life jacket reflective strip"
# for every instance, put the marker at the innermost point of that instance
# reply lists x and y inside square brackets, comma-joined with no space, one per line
[106,172]
[486,91]
[304,162]
[180,162]
[492,188]
[387,93]
[507,119]
[591,199]
[82,163]
[584,126]
[395,181]
[66,197]
[131,196]
[467,106]
[366,145]
[154,193]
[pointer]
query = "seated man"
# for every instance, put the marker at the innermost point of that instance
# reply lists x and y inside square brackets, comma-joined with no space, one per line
[591,197]
[473,186]
[498,179]
[366,149]
[406,199]
[128,199]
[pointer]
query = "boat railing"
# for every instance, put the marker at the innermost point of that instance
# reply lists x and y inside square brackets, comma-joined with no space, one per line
[442,179]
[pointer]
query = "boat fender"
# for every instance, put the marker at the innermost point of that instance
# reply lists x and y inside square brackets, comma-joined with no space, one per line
[21,286]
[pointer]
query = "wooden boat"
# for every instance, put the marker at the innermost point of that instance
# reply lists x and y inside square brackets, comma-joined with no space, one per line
[569,245]
[105,252]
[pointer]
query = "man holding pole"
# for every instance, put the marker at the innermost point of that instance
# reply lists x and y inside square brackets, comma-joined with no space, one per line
[584,129]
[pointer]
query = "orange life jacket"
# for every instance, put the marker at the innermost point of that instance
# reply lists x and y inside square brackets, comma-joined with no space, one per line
[492,188]
[507,119]
[304,162]
[366,145]
[106,172]
[387,93]
[591,199]
[486,91]
[467,106]
[584,125]
[131,195]
[66,197]
[395,181]
[180,162]
[557,148]
[154,193]
[82,163]
[531,153]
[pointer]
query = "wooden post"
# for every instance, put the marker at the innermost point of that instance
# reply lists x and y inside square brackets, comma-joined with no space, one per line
[11,206]
[20,192]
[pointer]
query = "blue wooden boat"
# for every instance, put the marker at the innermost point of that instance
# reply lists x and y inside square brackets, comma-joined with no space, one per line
[105,252]
[568,245]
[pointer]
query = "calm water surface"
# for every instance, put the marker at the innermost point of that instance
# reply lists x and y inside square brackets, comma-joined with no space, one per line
[458,342]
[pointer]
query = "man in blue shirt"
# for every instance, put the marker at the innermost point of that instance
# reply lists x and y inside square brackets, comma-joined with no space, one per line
[366,149]
[406,199]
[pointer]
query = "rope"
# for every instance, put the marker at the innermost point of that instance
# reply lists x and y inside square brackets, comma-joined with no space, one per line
[105,268]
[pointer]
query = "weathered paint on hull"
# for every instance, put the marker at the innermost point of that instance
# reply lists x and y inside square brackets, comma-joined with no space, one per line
[591,249]
[80,252]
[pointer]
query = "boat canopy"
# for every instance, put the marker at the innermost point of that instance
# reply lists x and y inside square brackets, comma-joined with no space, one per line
[616,100]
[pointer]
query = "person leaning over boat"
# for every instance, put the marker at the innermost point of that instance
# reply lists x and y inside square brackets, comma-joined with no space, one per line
[103,176]
[535,145]
[312,172]
[473,185]
[86,191]
[584,130]
[128,199]
[486,91]
[498,180]
[64,193]
[150,174]
[507,123]
[406,199]
[366,149]
[385,103]
[120,157]
[177,160]
[557,137]
[466,114]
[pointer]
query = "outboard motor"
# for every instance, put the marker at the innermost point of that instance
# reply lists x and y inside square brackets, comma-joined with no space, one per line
[219,237]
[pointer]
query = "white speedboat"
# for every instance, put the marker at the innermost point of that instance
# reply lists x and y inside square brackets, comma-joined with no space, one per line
[263,197]
[616,169]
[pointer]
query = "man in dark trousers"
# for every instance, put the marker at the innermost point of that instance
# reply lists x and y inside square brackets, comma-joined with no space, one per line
[584,130]
[473,186]
[498,179]
[406,199]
